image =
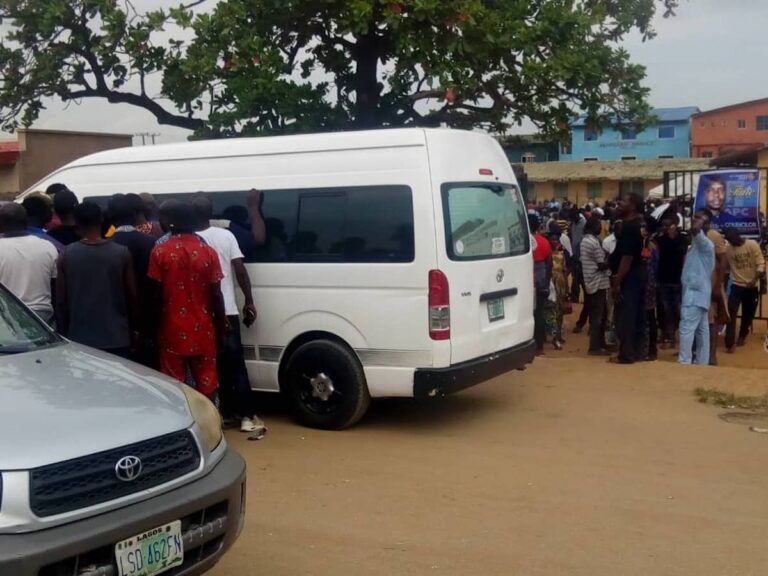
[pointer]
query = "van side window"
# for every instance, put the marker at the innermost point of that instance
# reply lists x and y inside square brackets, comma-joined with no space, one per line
[320,231]
[379,226]
[365,224]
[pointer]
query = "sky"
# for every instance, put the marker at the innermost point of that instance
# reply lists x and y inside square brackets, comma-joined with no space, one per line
[713,53]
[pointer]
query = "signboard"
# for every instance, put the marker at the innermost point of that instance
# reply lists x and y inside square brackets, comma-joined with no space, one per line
[733,197]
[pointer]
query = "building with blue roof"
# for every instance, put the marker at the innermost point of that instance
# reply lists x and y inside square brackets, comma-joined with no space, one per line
[668,137]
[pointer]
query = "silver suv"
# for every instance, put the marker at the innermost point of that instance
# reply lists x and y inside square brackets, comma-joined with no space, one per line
[106,468]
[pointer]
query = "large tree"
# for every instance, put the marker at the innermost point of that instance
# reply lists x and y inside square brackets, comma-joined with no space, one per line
[277,66]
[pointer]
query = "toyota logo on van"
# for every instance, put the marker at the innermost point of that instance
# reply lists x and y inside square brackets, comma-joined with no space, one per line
[128,468]
[500,275]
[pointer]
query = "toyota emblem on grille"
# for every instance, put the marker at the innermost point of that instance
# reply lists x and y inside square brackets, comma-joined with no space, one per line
[500,275]
[128,468]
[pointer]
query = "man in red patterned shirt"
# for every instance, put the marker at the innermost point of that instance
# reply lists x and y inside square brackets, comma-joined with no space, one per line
[192,316]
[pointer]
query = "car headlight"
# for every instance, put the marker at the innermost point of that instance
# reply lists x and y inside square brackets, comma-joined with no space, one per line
[205,415]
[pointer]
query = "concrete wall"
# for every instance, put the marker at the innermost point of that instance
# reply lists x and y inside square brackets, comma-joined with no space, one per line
[9,181]
[611,145]
[717,132]
[577,190]
[43,151]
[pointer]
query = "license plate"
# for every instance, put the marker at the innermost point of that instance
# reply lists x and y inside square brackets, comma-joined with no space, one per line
[152,552]
[495,310]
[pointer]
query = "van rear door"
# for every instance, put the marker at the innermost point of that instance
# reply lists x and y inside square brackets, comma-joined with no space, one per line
[488,266]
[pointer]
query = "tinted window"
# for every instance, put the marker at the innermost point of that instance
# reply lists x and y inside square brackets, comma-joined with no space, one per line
[379,225]
[359,224]
[366,224]
[484,221]
[320,231]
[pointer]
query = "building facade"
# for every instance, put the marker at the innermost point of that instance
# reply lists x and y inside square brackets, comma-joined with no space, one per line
[668,137]
[36,153]
[730,129]
[583,182]
[525,148]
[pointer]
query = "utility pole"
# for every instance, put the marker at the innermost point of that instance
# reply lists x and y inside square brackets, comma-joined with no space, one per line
[145,135]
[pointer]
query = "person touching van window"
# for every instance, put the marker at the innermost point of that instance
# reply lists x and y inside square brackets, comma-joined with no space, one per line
[234,384]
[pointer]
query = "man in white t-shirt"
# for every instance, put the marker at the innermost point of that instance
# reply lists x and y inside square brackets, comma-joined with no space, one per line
[234,385]
[27,263]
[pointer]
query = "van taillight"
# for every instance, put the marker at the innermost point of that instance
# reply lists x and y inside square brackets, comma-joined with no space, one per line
[439,306]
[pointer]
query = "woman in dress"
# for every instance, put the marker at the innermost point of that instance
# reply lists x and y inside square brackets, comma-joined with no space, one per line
[558,303]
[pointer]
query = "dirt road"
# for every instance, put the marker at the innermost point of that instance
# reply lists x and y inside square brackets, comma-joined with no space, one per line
[573,467]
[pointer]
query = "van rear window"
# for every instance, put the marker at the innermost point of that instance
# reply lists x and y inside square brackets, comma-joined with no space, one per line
[484,221]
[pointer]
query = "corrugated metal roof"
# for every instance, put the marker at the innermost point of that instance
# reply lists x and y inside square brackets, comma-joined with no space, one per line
[680,114]
[618,170]
[731,107]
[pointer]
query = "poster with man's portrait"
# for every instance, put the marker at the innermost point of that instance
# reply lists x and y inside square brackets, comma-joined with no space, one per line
[733,197]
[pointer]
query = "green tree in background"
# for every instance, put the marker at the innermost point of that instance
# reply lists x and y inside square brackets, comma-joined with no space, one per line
[281,66]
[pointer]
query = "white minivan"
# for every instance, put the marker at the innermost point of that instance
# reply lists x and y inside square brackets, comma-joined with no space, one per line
[397,262]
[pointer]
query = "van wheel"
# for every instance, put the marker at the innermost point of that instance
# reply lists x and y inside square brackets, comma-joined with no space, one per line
[326,385]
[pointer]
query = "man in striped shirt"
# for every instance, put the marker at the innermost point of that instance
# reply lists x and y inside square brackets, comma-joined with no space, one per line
[596,284]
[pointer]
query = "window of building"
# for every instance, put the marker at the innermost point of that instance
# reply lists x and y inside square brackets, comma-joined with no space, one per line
[629,134]
[663,156]
[561,189]
[594,190]
[741,124]
[706,154]
[631,187]
[629,157]
[702,124]
[528,157]
[590,135]
[590,159]
[666,132]
[762,122]
[565,148]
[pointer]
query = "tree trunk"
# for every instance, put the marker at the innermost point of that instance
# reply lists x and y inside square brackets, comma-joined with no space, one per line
[367,88]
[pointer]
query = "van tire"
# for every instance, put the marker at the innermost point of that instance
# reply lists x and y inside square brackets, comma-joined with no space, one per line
[307,373]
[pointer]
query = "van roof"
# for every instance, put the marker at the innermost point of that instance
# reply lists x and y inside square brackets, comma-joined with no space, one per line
[265,145]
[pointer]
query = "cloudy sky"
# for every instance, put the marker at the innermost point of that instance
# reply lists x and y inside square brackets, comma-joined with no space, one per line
[712,54]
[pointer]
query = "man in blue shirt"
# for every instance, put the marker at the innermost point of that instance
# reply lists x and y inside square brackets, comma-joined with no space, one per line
[697,293]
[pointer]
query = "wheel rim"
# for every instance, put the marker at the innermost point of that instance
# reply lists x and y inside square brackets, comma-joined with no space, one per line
[320,392]
[322,387]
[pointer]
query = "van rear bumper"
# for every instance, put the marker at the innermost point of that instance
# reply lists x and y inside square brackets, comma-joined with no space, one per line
[430,382]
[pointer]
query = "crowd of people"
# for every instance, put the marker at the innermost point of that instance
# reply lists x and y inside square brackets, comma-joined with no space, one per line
[652,277]
[152,284]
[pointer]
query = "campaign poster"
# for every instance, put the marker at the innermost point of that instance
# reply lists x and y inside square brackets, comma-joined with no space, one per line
[733,197]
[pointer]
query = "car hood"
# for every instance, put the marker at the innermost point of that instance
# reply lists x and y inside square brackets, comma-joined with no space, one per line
[68,400]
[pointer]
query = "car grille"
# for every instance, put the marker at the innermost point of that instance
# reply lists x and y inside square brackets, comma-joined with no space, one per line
[91,480]
[203,533]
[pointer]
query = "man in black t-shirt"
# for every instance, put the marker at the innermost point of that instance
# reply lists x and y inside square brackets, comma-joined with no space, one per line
[673,245]
[629,283]
[64,203]
[123,216]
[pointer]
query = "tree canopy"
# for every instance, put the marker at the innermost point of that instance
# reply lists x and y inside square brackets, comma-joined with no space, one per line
[281,66]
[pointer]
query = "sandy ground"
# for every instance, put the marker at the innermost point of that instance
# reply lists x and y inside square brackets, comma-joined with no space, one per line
[574,467]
